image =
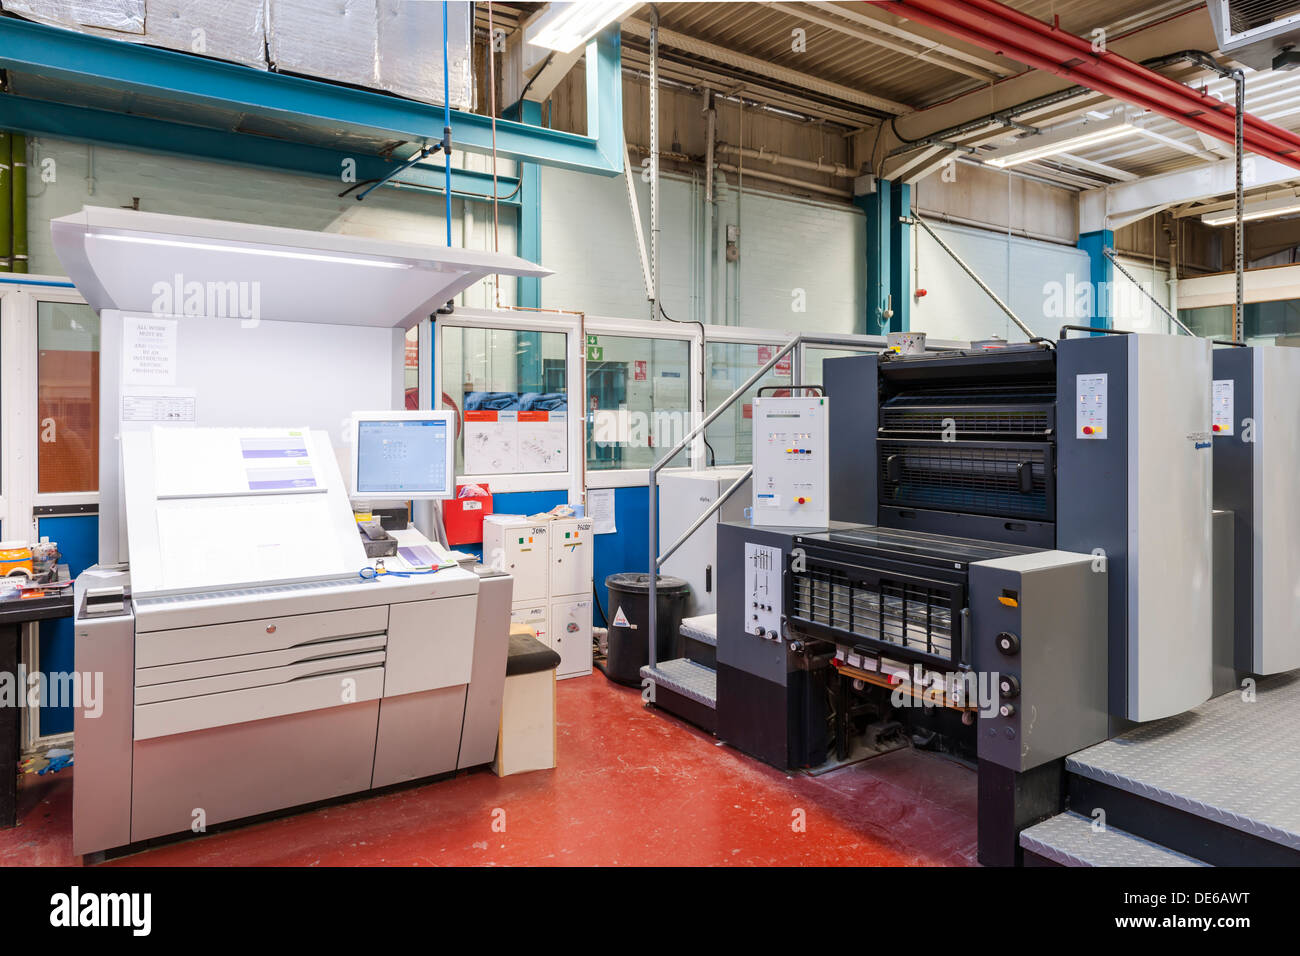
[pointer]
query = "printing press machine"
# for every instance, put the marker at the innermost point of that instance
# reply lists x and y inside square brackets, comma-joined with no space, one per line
[1020,534]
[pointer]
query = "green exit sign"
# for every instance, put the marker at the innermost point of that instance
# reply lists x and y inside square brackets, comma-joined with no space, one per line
[593,340]
[595,353]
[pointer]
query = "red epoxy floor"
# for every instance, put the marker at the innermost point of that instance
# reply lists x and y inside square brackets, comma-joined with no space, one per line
[633,787]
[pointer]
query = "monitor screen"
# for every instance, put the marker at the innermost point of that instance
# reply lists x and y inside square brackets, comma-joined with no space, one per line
[402,457]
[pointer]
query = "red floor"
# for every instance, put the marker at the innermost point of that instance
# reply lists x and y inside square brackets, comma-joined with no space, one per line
[633,787]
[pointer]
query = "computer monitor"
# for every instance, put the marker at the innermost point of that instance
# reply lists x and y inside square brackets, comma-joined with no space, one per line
[399,456]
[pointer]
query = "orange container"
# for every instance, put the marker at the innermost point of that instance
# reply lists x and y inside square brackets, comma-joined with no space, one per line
[15,558]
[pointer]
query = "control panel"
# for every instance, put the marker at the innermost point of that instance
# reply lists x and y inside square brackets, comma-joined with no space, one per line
[1039,652]
[1091,394]
[763,591]
[1224,408]
[791,462]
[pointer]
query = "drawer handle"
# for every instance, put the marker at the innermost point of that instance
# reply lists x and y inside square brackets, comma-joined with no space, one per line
[270,628]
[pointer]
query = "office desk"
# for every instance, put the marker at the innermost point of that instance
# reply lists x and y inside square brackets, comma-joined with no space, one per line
[14,613]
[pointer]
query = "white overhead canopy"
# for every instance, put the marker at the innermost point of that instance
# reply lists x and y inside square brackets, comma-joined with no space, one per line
[133,261]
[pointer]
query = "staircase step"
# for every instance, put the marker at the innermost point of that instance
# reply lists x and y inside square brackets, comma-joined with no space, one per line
[687,678]
[703,628]
[1069,839]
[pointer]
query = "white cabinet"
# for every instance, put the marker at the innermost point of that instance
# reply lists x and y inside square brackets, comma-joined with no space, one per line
[551,561]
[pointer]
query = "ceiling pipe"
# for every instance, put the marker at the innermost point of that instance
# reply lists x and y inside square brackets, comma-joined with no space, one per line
[776,159]
[994,27]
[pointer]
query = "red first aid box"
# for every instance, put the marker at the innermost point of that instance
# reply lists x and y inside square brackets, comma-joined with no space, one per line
[463,517]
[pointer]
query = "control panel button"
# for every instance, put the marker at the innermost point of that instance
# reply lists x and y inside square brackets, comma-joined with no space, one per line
[1008,643]
[1007,710]
[1008,686]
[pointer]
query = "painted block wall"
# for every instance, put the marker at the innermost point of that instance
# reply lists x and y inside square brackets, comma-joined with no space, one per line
[1036,279]
[802,263]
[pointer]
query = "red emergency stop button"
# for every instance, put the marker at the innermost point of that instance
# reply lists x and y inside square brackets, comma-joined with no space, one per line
[1218,428]
[1087,429]
[802,501]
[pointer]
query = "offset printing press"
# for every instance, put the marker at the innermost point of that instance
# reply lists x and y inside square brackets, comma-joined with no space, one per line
[1017,566]
[252,660]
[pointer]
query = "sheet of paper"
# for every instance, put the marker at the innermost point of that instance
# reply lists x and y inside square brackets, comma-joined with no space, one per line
[208,542]
[233,461]
[148,351]
[170,405]
[600,509]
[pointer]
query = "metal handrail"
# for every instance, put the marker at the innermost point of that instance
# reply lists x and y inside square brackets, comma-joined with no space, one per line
[652,623]
[656,561]
[709,512]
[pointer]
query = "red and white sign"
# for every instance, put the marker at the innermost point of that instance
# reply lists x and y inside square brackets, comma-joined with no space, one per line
[639,370]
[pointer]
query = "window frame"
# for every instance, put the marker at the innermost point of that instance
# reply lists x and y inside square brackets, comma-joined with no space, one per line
[20,502]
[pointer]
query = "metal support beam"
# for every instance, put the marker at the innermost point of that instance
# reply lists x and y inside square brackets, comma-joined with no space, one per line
[900,258]
[1101,276]
[294,102]
[84,125]
[878,208]
[528,292]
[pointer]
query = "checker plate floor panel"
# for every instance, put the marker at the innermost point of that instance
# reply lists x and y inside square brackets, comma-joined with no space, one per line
[1232,761]
[692,680]
[1070,840]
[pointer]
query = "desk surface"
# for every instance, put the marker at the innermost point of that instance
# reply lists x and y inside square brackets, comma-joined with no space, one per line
[19,610]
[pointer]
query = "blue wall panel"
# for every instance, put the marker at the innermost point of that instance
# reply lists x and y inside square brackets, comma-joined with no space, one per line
[78,540]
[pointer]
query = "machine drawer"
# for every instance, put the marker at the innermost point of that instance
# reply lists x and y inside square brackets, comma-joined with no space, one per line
[300,695]
[263,677]
[155,648]
[218,666]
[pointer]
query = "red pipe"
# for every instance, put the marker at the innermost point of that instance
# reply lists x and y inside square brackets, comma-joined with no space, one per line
[990,25]
[1136,71]
[1075,59]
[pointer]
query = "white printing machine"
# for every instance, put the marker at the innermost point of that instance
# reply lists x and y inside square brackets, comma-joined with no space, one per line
[248,666]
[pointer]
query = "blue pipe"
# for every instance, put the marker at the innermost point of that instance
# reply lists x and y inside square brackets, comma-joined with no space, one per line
[446,116]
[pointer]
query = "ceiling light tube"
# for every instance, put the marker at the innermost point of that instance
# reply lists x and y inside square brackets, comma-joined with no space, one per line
[1054,142]
[1258,210]
[566,26]
[253,250]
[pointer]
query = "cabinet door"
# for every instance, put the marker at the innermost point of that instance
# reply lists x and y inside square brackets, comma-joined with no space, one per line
[572,543]
[571,637]
[534,617]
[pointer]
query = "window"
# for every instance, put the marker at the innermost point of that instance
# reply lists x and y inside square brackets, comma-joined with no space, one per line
[67,397]
[1266,323]
[511,401]
[638,399]
[730,438]
[814,356]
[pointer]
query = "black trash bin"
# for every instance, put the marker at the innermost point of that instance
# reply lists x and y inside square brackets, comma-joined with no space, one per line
[629,617]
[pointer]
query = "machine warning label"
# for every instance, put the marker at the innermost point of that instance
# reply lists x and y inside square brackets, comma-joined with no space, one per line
[620,619]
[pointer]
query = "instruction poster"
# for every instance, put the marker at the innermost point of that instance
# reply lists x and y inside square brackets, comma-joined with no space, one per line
[516,433]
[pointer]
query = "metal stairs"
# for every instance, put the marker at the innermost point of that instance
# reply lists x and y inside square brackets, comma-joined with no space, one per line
[688,686]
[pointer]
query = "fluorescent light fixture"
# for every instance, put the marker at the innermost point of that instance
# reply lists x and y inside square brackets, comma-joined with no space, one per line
[1256,210]
[566,26]
[1064,139]
[254,250]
